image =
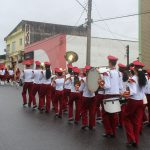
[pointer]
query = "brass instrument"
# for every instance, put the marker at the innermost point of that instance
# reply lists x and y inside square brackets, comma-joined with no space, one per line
[77,85]
[71,57]
[101,83]
[126,94]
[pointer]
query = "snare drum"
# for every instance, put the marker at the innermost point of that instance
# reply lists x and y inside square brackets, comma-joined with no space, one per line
[112,105]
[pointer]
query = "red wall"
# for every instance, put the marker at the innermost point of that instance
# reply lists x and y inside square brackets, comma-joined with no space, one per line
[55,48]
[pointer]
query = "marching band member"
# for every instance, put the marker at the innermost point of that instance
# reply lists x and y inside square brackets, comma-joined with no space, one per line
[53,88]
[11,76]
[58,83]
[99,100]
[67,88]
[148,95]
[75,96]
[112,88]
[2,76]
[36,83]
[88,105]
[133,115]
[45,88]
[124,79]
[6,76]
[28,82]
[17,76]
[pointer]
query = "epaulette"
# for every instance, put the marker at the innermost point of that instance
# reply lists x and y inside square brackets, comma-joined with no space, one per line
[131,81]
[105,74]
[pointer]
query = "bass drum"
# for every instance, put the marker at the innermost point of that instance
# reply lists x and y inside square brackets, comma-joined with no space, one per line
[92,80]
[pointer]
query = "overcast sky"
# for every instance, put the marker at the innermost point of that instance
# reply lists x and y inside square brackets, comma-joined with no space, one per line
[68,12]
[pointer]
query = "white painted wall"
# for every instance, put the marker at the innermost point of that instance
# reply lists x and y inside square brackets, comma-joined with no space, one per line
[40,55]
[100,49]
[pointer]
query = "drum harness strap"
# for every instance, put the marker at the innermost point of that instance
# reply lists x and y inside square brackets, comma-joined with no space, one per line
[117,98]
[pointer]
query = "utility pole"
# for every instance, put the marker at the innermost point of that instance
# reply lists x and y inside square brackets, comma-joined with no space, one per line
[89,21]
[127,49]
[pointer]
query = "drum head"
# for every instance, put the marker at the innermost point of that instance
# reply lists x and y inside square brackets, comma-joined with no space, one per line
[92,80]
[112,105]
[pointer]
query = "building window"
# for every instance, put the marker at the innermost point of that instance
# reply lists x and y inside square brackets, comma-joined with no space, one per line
[8,47]
[13,46]
[20,42]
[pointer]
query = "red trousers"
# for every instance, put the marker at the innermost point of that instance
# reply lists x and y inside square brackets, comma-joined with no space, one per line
[45,94]
[99,101]
[88,107]
[110,120]
[121,115]
[11,77]
[35,90]
[53,95]
[58,102]
[144,117]
[27,87]
[66,98]
[144,113]
[77,98]
[3,77]
[133,118]
[148,105]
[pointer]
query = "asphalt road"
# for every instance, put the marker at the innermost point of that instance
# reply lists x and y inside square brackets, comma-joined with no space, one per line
[25,129]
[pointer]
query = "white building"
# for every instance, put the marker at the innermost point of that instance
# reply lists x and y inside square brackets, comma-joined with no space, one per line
[100,49]
[54,48]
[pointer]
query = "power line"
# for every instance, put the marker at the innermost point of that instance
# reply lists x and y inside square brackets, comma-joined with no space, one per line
[107,26]
[71,37]
[120,17]
[117,34]
[81,5]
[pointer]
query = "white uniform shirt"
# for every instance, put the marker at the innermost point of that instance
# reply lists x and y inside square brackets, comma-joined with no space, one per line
[67,83]
[11,72]
[84,88]
[113,82]
[44,80]
[72,85]
[28,75]
[3,72]
[59,84]
[136,92]
[37,76]
[147,89]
